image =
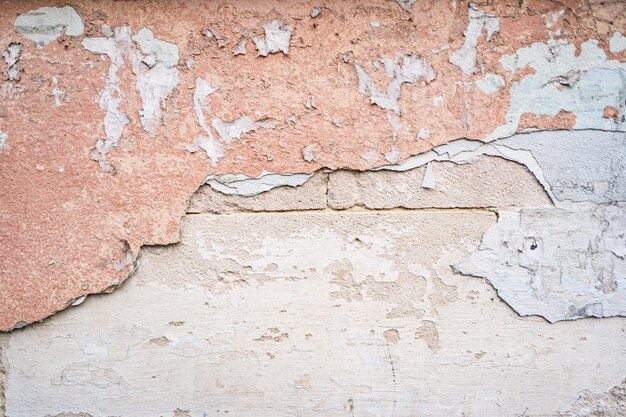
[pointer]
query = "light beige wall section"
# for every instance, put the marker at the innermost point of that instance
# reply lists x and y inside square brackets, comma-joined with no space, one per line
[309,314]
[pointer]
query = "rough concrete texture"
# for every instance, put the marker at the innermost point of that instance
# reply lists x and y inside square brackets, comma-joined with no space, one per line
[309,314]
[106,112]
[607,404]
[489,182]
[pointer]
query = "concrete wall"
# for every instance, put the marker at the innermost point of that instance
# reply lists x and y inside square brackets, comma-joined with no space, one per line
[405,208]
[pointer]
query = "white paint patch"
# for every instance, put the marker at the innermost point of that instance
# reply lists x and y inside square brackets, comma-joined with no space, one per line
[46,24]
[583,84]
[465,56]
[393,156]
[423,133]
[208,143]
[57,93]
[114,120]
[307,153]
[3,138]
[400,69]
[162,51]
[238,184]
[554,262]
[157,76]
[617,43]
[277,38]
[490,83]
[315,11]
[11,57]
[406,5]
[230,130]
[371,156]
[428,181]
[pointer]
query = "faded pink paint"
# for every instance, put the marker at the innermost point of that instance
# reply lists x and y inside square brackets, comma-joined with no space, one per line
[61,232]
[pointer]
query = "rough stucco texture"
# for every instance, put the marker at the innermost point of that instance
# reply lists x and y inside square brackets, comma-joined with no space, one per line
[381,208]
[113,113]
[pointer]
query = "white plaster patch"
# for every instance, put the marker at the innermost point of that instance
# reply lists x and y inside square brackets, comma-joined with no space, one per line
[583,84]
[400,69]
[208,143]
[428,181]
[554,262]
[277,38]
[230,130]
[406,5]
[57,93]
[114,120]
[307,153]
[490,83]
[46,24]
[617,43]
[11,57]
[156,77]
[371,156]
[465,56]
[3,138]
[238,184]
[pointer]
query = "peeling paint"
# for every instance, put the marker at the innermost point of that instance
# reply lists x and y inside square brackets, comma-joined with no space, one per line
[11,57]
[157,79]
[554,262]
[586,83]
[617,43]
[46,24]
[110,100]
[478,21]
[571,165]
[246,186]
[307,153]
[400,69]
[277,38]
[490,83]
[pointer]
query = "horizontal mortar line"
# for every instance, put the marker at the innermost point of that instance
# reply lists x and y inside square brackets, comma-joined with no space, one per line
[360,209]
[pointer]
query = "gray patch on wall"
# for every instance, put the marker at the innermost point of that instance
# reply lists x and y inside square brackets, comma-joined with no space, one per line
[46,24]
[558,263]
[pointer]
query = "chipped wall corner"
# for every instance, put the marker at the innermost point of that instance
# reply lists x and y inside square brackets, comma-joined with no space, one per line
[260,208]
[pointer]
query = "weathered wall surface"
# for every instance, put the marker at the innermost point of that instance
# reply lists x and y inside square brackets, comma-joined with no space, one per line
[409,208]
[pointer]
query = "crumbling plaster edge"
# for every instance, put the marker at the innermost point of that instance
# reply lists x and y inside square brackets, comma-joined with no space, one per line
[400,167]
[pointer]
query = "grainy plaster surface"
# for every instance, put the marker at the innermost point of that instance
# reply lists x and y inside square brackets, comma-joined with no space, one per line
[381,208]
